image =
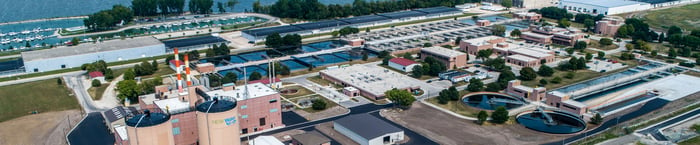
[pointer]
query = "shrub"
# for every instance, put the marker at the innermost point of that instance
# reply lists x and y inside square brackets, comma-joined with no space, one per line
[318,104]
[96,83]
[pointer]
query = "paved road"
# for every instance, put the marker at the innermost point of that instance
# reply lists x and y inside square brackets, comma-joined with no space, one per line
[74,82]
[655,130]
[646,108]
[415,138]
[91,131]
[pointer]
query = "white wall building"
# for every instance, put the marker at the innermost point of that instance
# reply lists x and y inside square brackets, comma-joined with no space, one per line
[405,65]
[75,56]
[366,129]
[605,7]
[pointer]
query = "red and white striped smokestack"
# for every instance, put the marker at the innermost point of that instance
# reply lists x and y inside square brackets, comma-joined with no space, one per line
[187,71]
[177,69]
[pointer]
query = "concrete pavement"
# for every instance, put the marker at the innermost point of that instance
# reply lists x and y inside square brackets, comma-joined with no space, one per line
[81,94]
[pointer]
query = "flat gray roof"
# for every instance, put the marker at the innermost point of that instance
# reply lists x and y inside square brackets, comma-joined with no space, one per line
[90,47]
[372,79]
[604,3]
[367,126]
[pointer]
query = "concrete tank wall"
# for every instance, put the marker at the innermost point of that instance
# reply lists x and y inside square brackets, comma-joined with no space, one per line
[161,134]
[222,128]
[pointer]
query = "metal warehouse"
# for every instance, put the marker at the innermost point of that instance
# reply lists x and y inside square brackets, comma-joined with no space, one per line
[75,56]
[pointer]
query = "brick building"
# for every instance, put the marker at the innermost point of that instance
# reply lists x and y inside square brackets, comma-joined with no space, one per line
[451,58]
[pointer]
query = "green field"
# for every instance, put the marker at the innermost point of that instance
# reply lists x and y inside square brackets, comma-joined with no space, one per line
[456,106]
[685,17]
[96,92]
[42,96]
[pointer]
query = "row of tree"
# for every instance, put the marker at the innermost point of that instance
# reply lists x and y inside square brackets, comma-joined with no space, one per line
[315,10]
[290,41]
[446,95]
[499,116]
[107,19]
[100,66]
[401,98]
[217,50]
[130,89]
[156,7]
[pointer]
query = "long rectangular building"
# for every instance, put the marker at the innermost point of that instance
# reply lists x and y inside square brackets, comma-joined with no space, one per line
[75,56]
[604,7]
[356,21]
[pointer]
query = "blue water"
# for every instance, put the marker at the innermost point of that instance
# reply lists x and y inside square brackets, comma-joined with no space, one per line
[308,49]
[564,124]
[604,93]
[17,28]
[325,45]
[18,10]
[321,60]
[254,56]
[293,65]
[249,71]
[236,59]
[603,79]
[483,101]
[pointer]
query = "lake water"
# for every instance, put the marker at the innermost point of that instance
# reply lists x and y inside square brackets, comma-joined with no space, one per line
[18,10]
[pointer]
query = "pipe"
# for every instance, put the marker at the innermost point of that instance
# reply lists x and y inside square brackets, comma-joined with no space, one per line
[177,69]
[187,71]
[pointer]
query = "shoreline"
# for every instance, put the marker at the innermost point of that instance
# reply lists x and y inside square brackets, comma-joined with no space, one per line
[42,20]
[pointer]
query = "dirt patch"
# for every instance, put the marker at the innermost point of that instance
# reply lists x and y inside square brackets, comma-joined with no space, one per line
[446,129]
[45,128]
[330,112]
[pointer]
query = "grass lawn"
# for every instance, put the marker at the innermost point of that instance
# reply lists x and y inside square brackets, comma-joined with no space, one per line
[573,24]
[691,141]
[96,92]
[692,73]
[42,96]
[301,92]
[329,104]
[319,80]
[580,75]
[162,70]
[685,17]
[456,107]
[596,44]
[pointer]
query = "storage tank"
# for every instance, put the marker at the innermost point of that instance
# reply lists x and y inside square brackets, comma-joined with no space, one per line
[150,128]
[218,123]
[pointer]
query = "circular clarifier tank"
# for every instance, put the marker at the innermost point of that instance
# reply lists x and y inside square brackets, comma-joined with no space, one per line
[491,101]
[551,122]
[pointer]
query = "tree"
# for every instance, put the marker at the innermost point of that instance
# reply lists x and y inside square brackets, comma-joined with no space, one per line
[407,56]
[505,77]
[428,45]
[654,53]
[588,23]
[500,115]
[662,38]
[475,85]
[109,75]
[606,41]
[383,54]
[417,72]
[366,29]
[484,54]
[385,61]
[129,74]
[580,45]
[672,53]
[527,73]
[481,117]
[674,30]
[128,89]
[453,93]
[597,119]
[220,6]
[507,3]
[545,71]
[543,82]
[335,33]
[498,30]
[210,52]
[201,6]
[365,57]
[255,76]
[515,33]
[273,40]
[318,104]
[556,80]
[402,98]
[96,83]
[443,96]
[214,81]
[563,23]
[493,87]
[231,4]
[59,81]
[75,41]
[601,54]
[475,17]
[154,65]
[569,75]
[589,56]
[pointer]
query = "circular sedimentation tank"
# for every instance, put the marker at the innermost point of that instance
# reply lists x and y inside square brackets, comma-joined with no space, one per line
[560,123]
[491,101]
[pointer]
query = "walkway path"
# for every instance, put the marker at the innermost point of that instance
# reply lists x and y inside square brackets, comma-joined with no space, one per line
[109,97]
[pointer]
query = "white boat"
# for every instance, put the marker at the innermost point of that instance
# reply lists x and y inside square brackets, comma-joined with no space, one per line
[5,42]
[30,38]
[37,46]
[12,33]
[26,32]
[18,40]
[37,30]
[40,37]
[3,34]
